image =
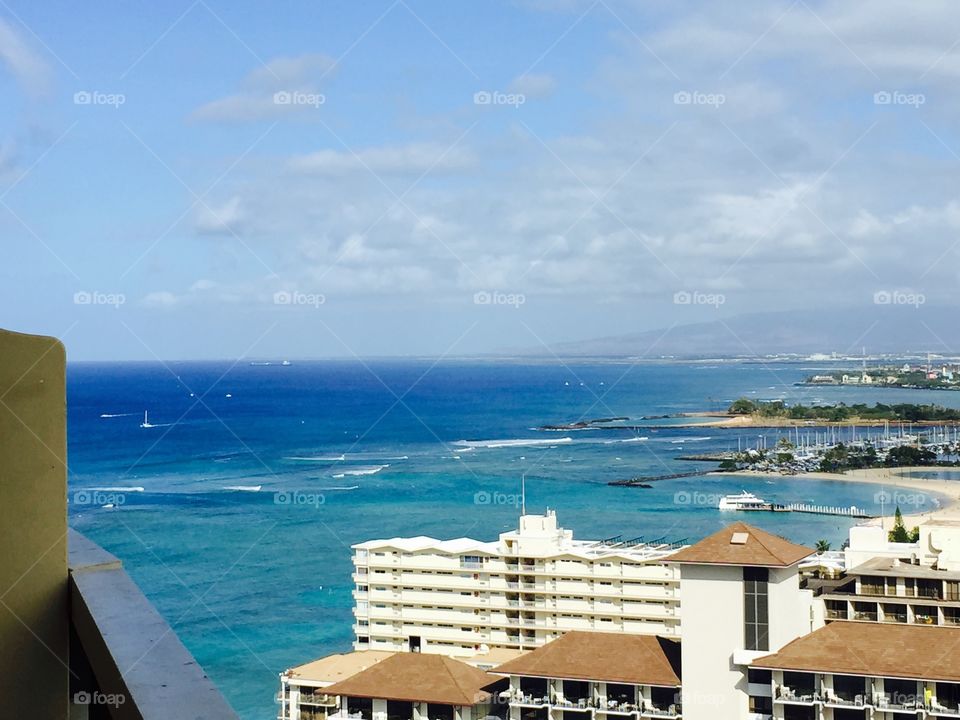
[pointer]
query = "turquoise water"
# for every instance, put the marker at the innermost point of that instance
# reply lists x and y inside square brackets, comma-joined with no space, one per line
[254,582]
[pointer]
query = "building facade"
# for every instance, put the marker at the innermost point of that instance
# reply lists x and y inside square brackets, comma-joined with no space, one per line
[742,599]
[908,583]
[459,597]
[854,670]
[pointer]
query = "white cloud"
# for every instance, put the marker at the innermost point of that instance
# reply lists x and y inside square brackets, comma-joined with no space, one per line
[161,299]
[413,158]
[30,70]
[225,219]
[284,86]
[784,184]
[534,85]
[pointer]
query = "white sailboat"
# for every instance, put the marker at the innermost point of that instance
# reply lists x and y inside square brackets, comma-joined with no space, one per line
[146,422]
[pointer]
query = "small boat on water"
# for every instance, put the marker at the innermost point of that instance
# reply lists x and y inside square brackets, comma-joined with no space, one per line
[743,501]
[146,422]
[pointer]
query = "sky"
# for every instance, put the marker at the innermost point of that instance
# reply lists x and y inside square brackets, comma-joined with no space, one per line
[208,179]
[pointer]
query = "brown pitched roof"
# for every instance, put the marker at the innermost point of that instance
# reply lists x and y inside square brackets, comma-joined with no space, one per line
[920,652]
[609,657]
[418,677]
[742,544]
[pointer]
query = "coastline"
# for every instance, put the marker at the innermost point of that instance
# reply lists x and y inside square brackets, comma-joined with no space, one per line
[894,478]
[725,420]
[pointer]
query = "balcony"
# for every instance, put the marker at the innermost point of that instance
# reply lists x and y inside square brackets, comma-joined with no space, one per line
[937,709]
[652,711]
[836,613]
[81,640]
[317,699]
[886,703]
[844,699]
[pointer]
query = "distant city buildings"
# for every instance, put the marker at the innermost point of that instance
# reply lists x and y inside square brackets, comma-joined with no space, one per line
[943,376]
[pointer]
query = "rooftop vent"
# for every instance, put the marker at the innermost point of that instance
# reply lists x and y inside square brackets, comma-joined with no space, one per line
[739,538]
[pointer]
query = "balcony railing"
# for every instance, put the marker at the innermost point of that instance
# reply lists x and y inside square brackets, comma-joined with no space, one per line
[128,649]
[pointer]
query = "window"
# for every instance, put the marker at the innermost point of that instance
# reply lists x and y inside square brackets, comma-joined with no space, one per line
[756,620]
[953,590]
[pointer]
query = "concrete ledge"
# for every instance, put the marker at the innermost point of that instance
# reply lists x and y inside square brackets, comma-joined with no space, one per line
[133,653]
[84,554]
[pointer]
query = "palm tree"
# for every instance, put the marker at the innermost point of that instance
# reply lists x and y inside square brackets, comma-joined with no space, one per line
[823,546]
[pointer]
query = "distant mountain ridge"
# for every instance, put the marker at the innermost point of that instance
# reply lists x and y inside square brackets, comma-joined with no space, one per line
[880,329]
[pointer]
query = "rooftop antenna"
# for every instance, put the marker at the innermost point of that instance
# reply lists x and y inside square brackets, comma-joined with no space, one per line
[523,494]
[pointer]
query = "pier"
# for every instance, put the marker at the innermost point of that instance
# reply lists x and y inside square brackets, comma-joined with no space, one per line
[644,481]
[852,511]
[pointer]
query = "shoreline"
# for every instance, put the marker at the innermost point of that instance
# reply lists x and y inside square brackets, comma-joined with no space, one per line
[947,490]
[725,420]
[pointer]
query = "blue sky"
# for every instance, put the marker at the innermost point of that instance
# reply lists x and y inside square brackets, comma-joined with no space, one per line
[210,179]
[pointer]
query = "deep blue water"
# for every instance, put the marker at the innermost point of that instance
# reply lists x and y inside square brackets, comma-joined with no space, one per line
[254,582]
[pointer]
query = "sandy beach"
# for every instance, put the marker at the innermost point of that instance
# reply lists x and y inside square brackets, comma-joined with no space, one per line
[898,483]
[725,420]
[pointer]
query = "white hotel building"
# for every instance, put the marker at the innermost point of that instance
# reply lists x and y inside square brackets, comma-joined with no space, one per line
[460,597]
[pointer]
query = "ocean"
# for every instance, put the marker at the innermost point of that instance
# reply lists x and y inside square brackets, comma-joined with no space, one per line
[255,581]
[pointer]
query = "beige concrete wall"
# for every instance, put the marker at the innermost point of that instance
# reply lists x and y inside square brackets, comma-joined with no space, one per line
[33,526]
[712,601]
